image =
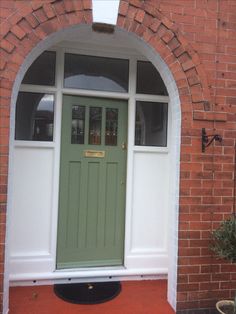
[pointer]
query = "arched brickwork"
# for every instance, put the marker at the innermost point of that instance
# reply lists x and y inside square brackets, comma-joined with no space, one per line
[160,33]
[30,22]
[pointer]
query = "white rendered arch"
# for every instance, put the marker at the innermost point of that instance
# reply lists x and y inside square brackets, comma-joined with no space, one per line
[120,38]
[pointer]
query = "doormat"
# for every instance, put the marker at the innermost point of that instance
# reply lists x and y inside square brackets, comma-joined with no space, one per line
[88,293]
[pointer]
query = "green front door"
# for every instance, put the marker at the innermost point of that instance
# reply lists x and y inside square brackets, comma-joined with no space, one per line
[92,182]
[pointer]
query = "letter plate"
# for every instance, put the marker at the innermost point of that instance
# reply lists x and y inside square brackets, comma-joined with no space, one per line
[94,153]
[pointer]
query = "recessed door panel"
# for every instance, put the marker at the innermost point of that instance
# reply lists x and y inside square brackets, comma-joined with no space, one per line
[92,182]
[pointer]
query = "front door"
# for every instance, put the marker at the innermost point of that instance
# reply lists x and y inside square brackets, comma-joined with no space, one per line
[92,182]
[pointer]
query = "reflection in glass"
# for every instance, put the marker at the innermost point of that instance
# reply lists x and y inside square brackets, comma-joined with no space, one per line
[77,127]
[42,71]
[151,124]
[149,80]
[95,123]
[34,117]
[96,73]
[111,126]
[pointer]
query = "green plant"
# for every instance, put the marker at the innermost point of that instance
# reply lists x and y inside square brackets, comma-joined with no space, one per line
[224,242]
[224,239]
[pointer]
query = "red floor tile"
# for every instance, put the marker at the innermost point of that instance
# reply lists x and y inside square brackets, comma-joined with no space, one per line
[136,297]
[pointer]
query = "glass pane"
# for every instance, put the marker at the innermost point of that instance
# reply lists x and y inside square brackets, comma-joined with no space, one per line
[96,73]
[95,122]
[149,80]
[151,124]
[77,127]
[34,117]
[42,71]
[111,126]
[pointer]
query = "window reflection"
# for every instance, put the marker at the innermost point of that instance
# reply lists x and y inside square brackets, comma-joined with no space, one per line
[95,123]
[34,117]
[111,126]
[151,124]
[96,73]
[78,123]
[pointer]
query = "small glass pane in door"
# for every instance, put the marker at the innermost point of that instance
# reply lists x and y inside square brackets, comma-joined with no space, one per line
[95,123]
[111,126]
[77,127]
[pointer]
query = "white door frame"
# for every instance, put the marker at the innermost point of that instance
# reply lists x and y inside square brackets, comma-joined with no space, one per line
[174,142]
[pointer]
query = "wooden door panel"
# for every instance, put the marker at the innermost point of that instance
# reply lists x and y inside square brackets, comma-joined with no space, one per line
[92,191]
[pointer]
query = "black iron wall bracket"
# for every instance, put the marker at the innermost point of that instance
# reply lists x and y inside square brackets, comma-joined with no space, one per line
[208,139]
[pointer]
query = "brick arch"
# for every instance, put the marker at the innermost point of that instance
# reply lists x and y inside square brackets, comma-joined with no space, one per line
[148,23]
[29,24]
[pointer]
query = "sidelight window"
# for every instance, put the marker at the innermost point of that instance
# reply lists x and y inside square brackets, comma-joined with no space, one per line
[34,117]
[151,124]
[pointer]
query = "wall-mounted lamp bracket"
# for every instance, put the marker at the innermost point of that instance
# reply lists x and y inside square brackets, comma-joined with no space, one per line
[208,139]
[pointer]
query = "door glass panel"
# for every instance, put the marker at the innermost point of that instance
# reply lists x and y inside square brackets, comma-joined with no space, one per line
[96,73]
[151,124]
[77,127]
[111,126]
[42,71]
[34,117]
[149,80]
[95,123]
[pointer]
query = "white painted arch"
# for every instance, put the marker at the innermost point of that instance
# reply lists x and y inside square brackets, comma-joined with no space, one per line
[126,40]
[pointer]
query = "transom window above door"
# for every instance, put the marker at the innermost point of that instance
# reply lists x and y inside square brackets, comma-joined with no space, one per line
[96,73]
[62,71]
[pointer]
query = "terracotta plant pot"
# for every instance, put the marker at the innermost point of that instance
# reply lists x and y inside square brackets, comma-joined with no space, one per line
[226,307]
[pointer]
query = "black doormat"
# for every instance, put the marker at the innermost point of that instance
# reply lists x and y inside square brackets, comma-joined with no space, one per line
[88,293]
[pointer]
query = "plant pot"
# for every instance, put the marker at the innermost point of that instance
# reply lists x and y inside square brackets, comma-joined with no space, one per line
[226,307]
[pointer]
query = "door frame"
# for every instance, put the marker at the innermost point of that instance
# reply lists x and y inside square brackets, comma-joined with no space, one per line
[58,91]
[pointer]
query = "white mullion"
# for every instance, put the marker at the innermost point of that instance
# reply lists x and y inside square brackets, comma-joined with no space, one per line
[152,98]
[104,52]
[130,157]
[36,144]
[37,88]
[92,93]
[57,140]
[149,149]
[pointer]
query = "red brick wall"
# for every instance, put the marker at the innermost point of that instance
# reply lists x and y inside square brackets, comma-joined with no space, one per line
[196,38]
[206,30]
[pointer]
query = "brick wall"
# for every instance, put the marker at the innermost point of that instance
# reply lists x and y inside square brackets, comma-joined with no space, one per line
[207,56]
[196,39]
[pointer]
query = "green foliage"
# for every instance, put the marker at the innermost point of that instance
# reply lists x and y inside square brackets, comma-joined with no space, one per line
[224,240]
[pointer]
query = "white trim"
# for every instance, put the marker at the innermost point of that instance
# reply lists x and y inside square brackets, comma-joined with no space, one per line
[118,52]
[92,274]
[57,140]
[144,49]
[38,89]
[150,149]
[38,144]
[152,98]
[93,93]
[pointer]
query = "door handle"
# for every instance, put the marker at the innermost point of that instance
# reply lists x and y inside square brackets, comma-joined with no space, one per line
[124,146]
